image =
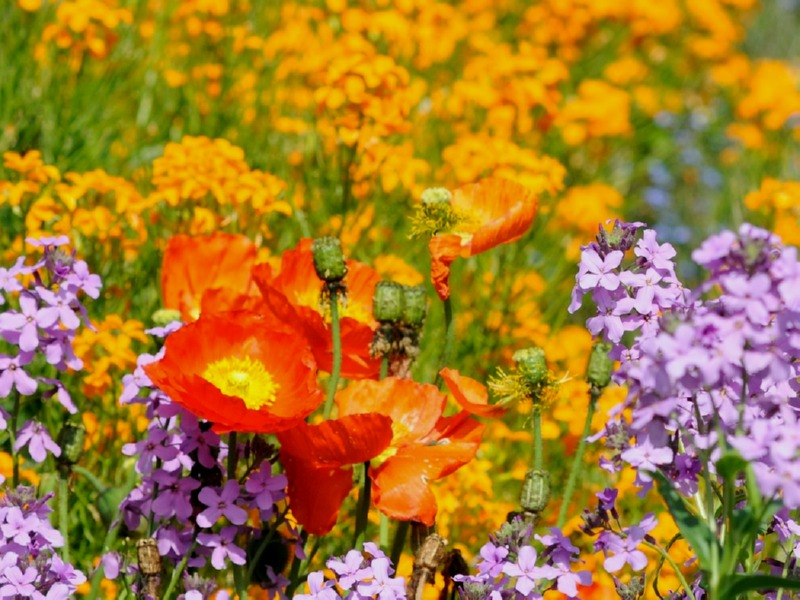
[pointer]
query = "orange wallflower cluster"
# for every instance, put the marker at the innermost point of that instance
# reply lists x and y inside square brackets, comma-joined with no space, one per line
[781,201]
[213,177]
[108,353]
[33,176]
[84,27]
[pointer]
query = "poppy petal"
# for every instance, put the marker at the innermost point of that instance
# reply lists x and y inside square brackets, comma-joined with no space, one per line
[470,394]
[444,249]
[316,495]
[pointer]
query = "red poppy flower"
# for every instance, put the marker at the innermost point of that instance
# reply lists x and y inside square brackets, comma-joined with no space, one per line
[425,446]
[194,265]
[494,212]
[240,370]
[318,459]
[293,294]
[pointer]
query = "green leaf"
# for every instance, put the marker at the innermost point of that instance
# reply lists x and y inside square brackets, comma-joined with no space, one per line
[731,464]
[740,583]
[696,532]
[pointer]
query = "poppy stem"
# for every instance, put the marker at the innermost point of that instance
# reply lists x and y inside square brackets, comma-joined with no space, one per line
[577,461]
[12,432]
[233,455]
[362,513]
[400,535]
[384,367]
[537,439]
[333,383]
[449,338]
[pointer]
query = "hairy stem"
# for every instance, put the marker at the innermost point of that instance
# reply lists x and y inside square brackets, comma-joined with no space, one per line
[333,383]
[577,461]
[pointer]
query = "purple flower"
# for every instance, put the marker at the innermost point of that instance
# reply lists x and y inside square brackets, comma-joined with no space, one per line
[527,573]
[223,546]
[152,448]
[82,279]
[221,504]
[19,583]
[18,527]
[599,272]
[625,551]
[493,559]
[350,571]
[266,488]
[173,494]
[383,584]
[658,255]
[13,375]
[58,308]
[34,435]
[319,588]
[26,323]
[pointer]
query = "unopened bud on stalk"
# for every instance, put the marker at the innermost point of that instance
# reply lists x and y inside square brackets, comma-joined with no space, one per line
[415,305]
[329,262]
[387,302]
[165,316]
[535,491]
[598,373]
[70,440]
[436,196]
[531,365]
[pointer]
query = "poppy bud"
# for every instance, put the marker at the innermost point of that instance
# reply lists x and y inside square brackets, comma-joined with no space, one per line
[165,316]
[436,196]
[535,491]
[531,365]
[329,260]
[598,373]
[415,305]
[387,301]
[70,440]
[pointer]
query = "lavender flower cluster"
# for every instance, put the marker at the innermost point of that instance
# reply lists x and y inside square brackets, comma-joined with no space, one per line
[29,565]
[43,325]
[711,370]
[511,567]
[357,578]
[192,508]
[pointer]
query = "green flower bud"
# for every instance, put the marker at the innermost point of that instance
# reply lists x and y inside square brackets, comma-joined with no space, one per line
[329,260]
[531,365]
[165,316]
[598,373]
[415,305]
[436,196]
[387,301]
[535,491]
[70,440]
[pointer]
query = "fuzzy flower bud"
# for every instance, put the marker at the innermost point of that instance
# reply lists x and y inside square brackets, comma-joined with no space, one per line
[535,491]
[70,440]
[165,316]
[531,365]
[598,373]
[415,305]
[387,302]
[436,196]
[329,262]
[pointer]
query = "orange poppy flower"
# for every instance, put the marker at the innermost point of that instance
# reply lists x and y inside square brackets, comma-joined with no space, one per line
[293,294]
[425,446]
[194,265]
[318,459]
[471,395]
[492,212]
[240,370]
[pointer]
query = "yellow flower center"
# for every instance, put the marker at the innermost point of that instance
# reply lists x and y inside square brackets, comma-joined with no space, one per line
[243,378]
[398,430]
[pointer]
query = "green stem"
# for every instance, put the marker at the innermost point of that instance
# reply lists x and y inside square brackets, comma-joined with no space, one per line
[537,440]
[577,461]
[400,536]
[262,547]
[449,338]
[239,583]
[12,432]
[63,513]
[333,383]
[176,573]
[362,514]
[97,578]
[786,561]
[384,367]
[674,566]
[233,455]
[383,532]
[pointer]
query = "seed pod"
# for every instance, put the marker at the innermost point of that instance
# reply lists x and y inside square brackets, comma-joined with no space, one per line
[329,262]
[387,302]
[415,305]
[165,316]
[70,440]
[598,373]
[535,491]
[531,365]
